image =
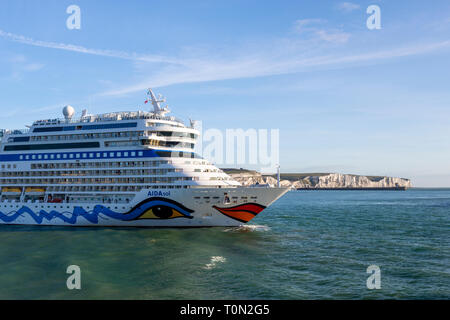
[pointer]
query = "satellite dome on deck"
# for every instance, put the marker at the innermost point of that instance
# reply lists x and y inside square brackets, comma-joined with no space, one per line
[68,112]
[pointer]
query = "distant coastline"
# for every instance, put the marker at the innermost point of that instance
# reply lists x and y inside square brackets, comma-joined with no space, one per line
[359,188]
[319,181]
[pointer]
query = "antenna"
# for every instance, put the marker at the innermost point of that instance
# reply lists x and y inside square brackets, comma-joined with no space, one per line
[156,102]
[193,123]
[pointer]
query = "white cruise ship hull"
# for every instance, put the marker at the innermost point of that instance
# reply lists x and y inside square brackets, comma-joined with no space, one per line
[190,207]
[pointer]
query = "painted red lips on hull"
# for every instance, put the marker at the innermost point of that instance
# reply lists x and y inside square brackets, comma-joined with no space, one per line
[243,212]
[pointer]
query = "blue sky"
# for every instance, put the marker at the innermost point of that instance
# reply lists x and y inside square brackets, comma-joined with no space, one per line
[345,98]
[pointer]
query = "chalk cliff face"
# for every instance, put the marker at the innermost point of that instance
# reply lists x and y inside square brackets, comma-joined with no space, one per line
[328,180]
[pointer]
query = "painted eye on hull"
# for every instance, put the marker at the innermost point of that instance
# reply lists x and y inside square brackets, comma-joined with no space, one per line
[158,208]
[162,212]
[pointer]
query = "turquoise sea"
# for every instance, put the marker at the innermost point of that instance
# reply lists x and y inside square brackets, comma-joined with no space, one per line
[308,245]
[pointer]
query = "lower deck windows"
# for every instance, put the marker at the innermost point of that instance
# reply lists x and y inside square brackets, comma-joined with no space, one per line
[78,145]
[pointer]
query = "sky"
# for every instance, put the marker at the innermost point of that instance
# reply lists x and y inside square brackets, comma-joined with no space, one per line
[345,98]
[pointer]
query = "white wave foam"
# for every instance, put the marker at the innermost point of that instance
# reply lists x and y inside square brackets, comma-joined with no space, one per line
[214,261]
[247,228]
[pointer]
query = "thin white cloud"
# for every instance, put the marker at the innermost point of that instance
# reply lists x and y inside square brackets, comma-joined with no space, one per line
[80,49]
[13,112]
[20,65]
[302,25]
[278,60]
[30,67]
[204,70]
[317,29]
[348,6]
[334,36]
[18,58]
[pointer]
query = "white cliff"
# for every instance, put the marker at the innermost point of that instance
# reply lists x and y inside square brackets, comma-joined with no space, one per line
[319,181]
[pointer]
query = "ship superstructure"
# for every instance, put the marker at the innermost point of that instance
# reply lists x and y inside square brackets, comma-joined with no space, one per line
[120,168]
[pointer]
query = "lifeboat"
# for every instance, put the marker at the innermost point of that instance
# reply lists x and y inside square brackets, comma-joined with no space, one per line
[11,190]
[34,190]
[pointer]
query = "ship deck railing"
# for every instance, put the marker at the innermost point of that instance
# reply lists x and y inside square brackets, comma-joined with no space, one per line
[114,116]
[13,131]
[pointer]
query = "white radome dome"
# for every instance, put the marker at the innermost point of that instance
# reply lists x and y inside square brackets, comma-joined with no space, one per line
[68,112]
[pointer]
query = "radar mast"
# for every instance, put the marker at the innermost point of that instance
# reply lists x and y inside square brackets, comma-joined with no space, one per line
[156,102]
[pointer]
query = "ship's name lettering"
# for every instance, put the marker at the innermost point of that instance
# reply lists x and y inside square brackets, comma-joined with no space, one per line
[158,193]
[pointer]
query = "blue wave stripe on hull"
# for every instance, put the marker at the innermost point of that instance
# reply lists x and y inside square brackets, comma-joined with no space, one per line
[39,217]
[93,215]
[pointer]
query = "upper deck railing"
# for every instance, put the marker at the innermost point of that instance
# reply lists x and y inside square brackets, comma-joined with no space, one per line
[113,116]
[13,131]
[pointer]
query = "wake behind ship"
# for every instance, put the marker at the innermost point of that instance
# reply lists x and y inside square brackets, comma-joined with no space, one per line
[119,169]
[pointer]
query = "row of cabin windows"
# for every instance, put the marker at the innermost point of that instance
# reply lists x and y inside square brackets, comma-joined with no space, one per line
[82,155]
[52,146]
[108,188]
[122,172]
[95,180]
[115,164]
[123,134]
[122,143]
[9,166]
[88,127]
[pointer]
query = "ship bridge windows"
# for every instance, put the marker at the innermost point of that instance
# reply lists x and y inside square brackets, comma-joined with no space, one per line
[170,144]
[177,154]
[174,134]
[164,124]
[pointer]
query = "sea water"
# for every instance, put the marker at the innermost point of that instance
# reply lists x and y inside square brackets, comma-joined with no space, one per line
[307,245]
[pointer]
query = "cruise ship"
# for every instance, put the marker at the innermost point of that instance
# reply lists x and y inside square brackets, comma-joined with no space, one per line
[119,169]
